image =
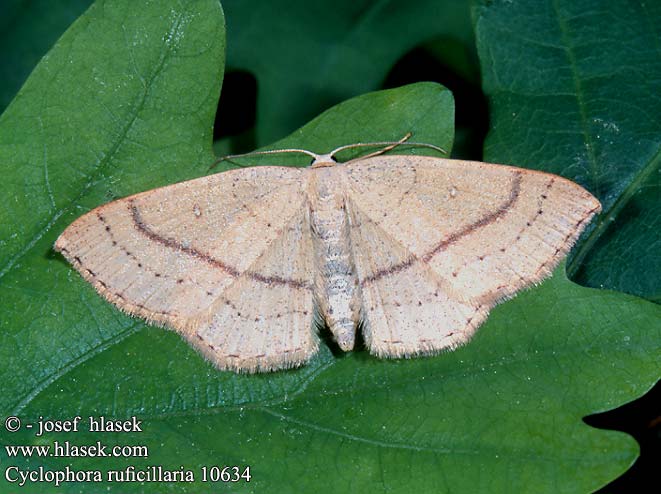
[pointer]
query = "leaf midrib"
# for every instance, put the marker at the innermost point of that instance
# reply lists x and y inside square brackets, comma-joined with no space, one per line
[606,218]
[580,98]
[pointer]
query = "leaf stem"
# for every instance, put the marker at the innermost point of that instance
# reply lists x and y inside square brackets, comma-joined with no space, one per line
[607,218]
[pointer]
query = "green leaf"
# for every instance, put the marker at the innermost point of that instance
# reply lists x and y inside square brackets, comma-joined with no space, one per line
[124,101]
[500,414]
[574,89]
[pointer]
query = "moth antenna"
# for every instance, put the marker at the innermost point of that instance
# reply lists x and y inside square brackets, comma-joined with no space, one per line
[230,157]
[389,145]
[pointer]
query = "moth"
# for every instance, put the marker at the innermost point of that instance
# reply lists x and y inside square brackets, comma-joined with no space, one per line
[414,250]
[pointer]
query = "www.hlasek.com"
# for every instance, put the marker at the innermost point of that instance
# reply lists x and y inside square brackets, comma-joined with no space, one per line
[67,449]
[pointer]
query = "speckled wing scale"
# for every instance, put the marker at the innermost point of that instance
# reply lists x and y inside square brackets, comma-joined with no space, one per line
[447,240]
[417,248]
[225,260]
